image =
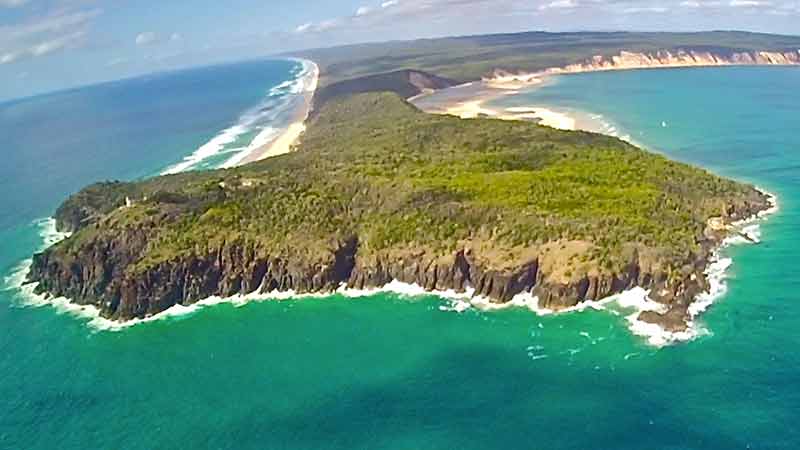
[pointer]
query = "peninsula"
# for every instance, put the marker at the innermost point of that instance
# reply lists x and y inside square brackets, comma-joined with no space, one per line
[378,191]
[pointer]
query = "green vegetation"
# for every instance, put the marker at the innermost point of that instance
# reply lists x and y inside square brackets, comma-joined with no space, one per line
[373,167]
[471,57]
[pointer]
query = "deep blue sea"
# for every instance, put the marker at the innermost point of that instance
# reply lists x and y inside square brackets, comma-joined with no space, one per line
[390,371]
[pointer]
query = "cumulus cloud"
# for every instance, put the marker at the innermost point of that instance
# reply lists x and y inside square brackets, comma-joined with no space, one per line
[146,38]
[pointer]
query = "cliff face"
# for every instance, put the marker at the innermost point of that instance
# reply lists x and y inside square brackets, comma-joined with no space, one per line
[381,192]
[98,274]
[680,58]
[665,58]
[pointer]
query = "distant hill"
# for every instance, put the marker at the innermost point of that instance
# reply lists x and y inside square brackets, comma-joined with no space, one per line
[405,83]
[468,58]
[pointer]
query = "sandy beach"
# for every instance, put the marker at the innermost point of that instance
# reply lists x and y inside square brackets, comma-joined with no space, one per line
[284,141]
[470,101]
[540,115]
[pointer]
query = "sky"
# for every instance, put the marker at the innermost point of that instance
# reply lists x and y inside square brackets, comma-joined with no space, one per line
[48,45]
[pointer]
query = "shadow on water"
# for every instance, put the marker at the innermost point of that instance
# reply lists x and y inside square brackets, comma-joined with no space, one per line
[477,399]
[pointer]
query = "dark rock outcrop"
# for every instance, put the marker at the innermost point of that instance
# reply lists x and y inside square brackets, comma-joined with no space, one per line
[100,272]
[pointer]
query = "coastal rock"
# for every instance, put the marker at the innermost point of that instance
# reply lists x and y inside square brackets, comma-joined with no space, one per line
[97,273]
[381,192]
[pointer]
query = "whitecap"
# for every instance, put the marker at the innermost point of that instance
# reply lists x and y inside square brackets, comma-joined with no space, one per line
[209,149]
[262,119]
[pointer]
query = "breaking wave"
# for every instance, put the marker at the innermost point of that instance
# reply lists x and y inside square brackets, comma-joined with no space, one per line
[262,120]
[255,127]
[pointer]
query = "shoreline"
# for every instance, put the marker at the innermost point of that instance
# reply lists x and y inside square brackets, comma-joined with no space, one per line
[636,298]
[628,304]
[505,83]
[469,101]
[284,141]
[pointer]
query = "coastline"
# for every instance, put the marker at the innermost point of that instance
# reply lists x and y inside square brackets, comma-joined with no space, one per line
[470,98]
[628,305]
[269,144]
[469,101]
[636,298]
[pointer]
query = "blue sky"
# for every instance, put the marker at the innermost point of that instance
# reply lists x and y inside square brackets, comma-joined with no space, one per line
[47,45]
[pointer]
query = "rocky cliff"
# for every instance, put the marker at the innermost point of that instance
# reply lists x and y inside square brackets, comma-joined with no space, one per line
[98,273]
[381,192]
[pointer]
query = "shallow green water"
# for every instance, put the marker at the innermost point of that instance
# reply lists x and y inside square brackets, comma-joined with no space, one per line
[391,372]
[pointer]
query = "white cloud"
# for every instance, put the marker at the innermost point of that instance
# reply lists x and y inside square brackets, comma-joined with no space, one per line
[695,4]
[311,27]
[326,25]
[748,3]
[645,9]
[441,17]
[559,4]
[48,24]
[175,37]
[303,28]
[8,58]
[52,45]
[146,38]
[44,35]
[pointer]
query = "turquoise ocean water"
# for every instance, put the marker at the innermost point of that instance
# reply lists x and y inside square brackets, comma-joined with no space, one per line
[387,371]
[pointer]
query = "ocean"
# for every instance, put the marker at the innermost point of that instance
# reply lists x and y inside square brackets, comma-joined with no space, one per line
[391,371]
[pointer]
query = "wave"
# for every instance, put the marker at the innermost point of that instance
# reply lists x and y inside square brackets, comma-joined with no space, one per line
[265,120]
[49,236]
[717,274]
[630,303]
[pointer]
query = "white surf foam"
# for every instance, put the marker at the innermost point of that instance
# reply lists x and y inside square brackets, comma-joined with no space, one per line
[636,299]
[209,149]
[49,236]
[631,303]
[261,119]
[716,275]
[305,82]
